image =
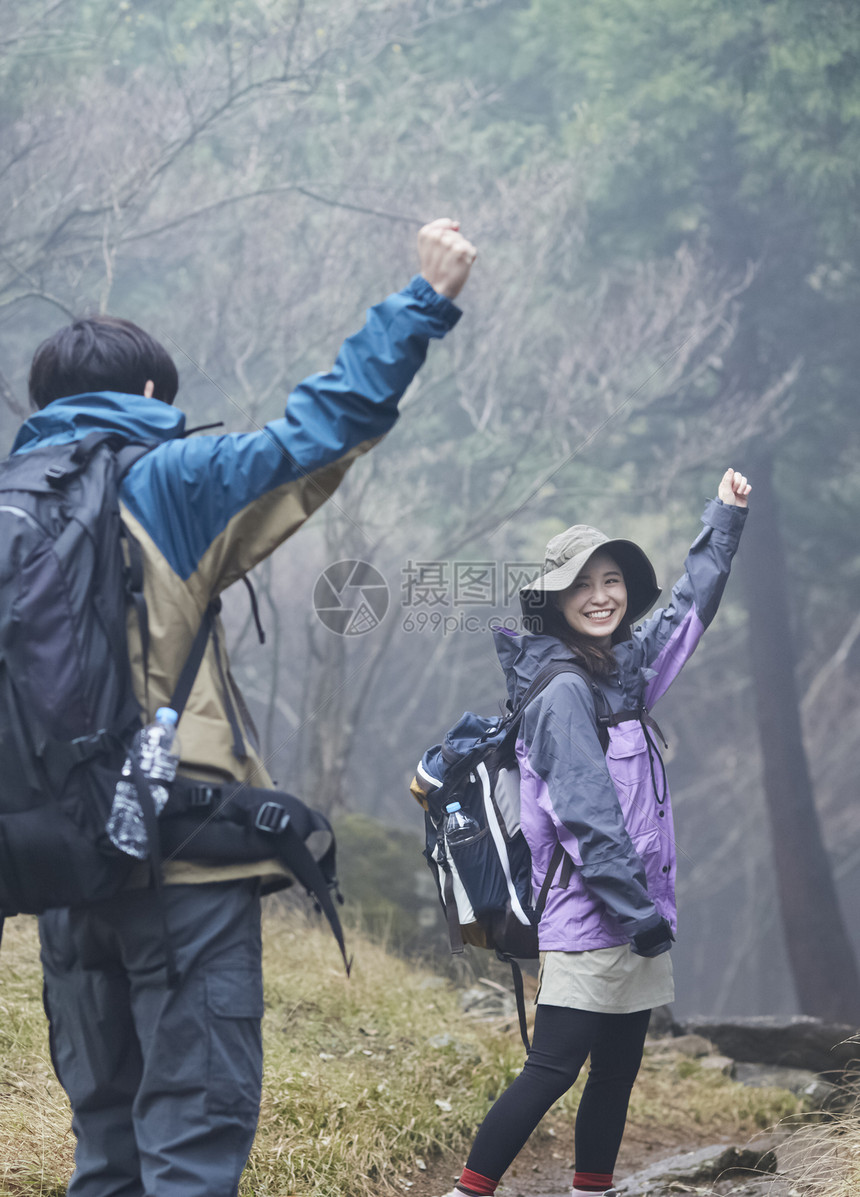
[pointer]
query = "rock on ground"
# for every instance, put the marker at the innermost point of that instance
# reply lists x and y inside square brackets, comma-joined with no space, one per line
[696,1168]
[798,1042]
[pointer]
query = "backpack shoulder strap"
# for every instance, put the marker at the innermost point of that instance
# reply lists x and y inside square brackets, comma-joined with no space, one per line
[129,454]
[125,457]
[124,454]
[602,713]
[642,715]
[194,659]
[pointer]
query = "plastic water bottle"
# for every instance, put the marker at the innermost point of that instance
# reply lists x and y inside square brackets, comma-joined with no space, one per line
[156,748]
[459,826]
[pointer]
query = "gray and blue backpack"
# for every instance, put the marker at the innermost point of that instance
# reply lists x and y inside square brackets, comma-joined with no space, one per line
[484,881]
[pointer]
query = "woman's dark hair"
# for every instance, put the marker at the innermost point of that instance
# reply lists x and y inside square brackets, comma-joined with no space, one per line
[101,353]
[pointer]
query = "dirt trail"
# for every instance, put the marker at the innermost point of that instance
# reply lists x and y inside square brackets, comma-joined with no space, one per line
[545,1165]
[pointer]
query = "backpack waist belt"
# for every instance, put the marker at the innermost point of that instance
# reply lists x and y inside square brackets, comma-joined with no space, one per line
[235,822]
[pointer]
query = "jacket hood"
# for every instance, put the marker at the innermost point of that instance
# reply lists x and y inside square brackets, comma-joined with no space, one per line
[523,655]
[134,417]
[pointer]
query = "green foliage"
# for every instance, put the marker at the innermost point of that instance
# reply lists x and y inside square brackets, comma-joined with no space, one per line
[773,86]
[739,125]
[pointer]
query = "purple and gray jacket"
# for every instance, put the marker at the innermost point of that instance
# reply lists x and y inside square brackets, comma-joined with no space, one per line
[604,809]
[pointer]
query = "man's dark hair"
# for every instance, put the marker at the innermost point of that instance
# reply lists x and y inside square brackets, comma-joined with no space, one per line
[101,353]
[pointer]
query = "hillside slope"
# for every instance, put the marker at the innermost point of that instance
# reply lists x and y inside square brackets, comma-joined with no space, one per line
[367,1079]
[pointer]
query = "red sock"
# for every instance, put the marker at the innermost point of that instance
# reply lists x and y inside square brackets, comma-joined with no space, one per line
[476,1185]
[592,1182]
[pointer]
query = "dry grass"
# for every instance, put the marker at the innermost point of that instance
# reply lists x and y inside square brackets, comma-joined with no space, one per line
[357,1083]
[701,1103]
[36,1145]
[362,1076]
[823,1155]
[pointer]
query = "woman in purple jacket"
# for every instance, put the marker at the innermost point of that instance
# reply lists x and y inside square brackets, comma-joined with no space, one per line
[609,920]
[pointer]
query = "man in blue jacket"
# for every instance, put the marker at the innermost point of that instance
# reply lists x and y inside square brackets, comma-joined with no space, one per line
[164,1082]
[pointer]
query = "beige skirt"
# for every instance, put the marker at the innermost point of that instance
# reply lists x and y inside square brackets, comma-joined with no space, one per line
[605,980]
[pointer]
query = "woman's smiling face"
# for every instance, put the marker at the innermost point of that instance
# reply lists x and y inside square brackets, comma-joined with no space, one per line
[596,602]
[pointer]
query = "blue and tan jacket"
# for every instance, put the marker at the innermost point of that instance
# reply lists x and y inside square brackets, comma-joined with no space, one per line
[207,509]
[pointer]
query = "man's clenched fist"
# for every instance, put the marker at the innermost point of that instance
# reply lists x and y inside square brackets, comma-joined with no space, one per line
[445,255]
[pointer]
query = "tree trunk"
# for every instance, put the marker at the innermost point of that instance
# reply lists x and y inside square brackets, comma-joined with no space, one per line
[822,957]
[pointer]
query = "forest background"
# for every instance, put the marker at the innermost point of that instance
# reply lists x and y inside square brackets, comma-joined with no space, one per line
[664,194]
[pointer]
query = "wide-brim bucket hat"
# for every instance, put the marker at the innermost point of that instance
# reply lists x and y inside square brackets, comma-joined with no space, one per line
[565,558]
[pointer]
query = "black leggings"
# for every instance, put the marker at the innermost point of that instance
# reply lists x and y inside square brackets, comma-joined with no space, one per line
[562,1040]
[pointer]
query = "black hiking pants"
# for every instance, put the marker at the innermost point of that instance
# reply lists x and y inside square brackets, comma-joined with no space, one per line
[562,1040]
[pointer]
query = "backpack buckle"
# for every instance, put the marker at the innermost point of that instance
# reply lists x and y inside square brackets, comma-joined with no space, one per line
[272,817]
[201,795]
[55,474]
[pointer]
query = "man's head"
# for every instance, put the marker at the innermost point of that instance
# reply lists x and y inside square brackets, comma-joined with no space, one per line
[101,353]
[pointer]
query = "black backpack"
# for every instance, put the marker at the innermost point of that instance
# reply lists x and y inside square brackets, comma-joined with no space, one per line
[67,711]
[484,883]
[68,572]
